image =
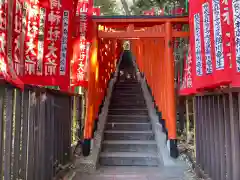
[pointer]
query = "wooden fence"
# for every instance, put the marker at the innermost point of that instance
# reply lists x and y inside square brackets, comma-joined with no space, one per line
[37,130]
[217,134]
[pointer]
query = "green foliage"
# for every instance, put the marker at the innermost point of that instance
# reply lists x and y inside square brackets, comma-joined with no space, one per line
[108,7]
[141,5]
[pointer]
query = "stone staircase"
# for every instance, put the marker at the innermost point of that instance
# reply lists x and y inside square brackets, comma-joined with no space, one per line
[128,137]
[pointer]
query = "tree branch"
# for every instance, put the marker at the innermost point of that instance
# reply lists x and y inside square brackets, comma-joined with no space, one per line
[125,7]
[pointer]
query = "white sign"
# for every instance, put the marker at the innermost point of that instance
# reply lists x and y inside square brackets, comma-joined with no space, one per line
[63,54]
[207,37]
[236,15]
[197,35]
[218,35]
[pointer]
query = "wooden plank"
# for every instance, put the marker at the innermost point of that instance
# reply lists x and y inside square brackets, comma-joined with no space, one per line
[222,138]
[42,137]
[17,134]
[233,105]
[9,134]
[31,136]
[207,126]
[195,116]
[228,145]
[215,141]
[1,130]
[24,134]
[37,139]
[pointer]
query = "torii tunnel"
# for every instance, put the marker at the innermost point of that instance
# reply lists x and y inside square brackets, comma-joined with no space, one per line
[151,43]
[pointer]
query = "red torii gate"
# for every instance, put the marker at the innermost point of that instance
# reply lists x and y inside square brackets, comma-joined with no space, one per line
[151,37]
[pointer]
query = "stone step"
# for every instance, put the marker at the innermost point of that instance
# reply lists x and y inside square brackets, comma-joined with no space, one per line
[127,83]
[116,105]
[127,86]
[129,146]
[127,93]
[128,135]
[127,89]
[128,126]
[131,92]
[128,159]
[127,100]
[128,118]
[128,111]
[129,106]
[122,94]
[130,100]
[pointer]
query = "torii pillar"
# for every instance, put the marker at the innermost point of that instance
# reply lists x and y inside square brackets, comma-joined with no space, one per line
[171,101]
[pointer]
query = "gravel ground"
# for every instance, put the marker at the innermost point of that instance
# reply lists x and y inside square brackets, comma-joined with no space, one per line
[190,173]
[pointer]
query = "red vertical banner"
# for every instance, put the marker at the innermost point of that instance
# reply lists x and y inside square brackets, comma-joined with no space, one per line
[31,38]
[215,43]
[234,15]
[96,11]
[52,45]
[220,35]
[6,36]
[17,36]
[226,31]
[66,43]
[187,86]
[79,67]
[207,39]
[78,77]
[3,38]
[206,79]
[47,39]
[211,47]
[196,42]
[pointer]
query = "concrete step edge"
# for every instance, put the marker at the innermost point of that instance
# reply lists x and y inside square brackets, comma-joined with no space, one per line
[130,142]
[128,155]
[128,132]
[128,115]
[118,109]
[129,123]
